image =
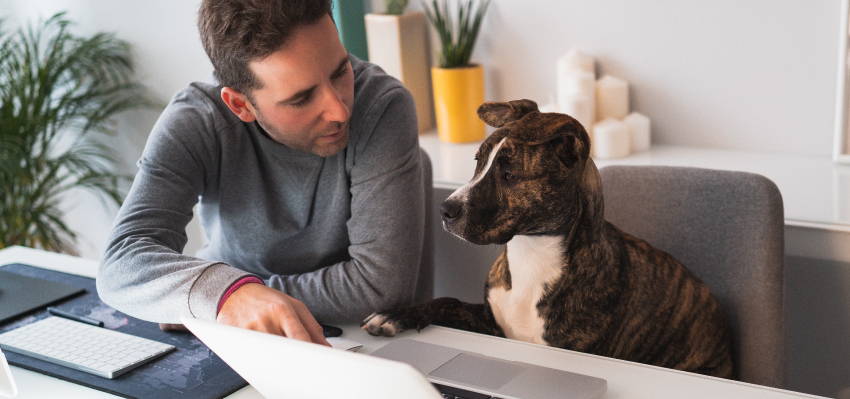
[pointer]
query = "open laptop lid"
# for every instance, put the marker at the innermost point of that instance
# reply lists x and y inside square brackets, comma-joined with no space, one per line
[280,367]
[7,383]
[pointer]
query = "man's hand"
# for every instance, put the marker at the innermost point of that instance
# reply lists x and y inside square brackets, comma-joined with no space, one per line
[260,308]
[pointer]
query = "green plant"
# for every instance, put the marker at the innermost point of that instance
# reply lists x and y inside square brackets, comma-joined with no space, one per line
[457,40]
[395,7]
[58,94]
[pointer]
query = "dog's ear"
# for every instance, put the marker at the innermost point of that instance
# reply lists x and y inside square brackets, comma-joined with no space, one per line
[498,114]
[570,150]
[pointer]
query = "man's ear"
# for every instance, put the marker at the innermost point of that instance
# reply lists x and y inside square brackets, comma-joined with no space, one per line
[498,114]
[238,104]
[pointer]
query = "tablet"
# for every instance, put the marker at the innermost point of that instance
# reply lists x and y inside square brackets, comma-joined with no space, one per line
[20,294]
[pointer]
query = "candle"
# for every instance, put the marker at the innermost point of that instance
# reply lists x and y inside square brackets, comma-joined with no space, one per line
[578,86]
[575,60]
[611,139]
[638,125]
[581,108]
[612,98]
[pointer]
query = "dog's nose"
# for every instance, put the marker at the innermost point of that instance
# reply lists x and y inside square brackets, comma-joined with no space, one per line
[450,209]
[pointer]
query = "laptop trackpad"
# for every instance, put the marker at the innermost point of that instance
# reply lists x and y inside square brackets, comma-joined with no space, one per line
[479,371]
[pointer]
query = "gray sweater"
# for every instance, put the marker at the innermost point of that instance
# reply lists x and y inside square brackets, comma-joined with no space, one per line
[343,234]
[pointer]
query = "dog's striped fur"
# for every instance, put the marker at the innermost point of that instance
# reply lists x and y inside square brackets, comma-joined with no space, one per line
[567,277]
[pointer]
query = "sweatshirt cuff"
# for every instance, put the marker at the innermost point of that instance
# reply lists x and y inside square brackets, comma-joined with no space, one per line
[209,288]
[235,286]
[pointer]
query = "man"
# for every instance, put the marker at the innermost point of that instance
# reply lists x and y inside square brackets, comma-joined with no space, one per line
[307,167]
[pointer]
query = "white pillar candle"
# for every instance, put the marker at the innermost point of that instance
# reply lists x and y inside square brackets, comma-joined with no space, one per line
[576,86]
[576,60]
[639,130]
[612,98]
[581,108]
[610,139]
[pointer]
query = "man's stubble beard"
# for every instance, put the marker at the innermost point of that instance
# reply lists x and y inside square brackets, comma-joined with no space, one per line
[311,147]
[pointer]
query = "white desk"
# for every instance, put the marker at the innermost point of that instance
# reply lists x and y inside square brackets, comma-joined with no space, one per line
[625,379]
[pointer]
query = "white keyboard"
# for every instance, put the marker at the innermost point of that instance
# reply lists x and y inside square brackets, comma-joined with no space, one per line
[83,347]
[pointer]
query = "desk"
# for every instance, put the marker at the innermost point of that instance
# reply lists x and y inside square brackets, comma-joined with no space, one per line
[625,379]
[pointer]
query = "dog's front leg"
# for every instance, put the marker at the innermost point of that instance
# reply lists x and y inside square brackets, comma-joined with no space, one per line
[448,312]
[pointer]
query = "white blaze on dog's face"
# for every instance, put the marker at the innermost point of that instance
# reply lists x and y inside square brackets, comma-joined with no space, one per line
[461,195]
[528,180]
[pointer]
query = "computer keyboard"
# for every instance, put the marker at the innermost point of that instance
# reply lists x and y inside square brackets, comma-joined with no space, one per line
[448,392]
[83,347]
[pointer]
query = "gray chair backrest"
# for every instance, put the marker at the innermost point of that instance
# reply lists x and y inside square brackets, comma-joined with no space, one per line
[425,280]
[727,228]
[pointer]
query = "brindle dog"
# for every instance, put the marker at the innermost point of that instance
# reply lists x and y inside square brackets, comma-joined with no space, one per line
[567,278]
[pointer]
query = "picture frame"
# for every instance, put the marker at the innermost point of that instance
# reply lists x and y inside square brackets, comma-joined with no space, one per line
[841,143]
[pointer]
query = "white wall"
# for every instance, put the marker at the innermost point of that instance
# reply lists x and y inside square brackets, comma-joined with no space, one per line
[753,74]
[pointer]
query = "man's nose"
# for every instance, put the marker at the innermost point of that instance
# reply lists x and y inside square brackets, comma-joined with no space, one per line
[335,109]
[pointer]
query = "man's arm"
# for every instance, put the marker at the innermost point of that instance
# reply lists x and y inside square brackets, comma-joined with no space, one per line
[143,272]
[386,228]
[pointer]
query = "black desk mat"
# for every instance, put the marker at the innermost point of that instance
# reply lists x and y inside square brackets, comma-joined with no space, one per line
[191,371]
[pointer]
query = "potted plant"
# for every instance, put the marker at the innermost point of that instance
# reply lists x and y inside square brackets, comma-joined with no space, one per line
[398,42]
[58,94]
[458,84]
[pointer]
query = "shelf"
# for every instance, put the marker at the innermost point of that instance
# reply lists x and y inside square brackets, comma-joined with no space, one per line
[815,190]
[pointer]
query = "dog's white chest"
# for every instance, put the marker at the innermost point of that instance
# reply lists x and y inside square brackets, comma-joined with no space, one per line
[533,262]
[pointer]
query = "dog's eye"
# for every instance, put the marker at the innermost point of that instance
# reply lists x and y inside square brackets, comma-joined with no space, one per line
[508,176]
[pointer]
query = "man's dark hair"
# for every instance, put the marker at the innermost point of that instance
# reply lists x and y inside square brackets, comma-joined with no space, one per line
[235,32]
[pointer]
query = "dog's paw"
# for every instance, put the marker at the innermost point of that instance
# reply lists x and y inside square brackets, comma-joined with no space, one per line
[381,324]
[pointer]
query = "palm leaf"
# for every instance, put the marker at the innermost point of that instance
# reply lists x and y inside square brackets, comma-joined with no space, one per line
[457,39]
[59,94]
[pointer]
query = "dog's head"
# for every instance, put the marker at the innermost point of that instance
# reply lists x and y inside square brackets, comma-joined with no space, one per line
[533,176]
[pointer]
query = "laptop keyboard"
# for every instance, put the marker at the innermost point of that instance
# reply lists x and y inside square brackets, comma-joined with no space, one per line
[457,393]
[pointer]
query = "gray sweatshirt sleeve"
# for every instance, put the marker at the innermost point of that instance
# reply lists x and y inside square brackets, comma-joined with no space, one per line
[143,272]
[386,228]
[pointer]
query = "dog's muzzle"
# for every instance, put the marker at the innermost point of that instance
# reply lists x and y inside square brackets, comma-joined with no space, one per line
[451,210]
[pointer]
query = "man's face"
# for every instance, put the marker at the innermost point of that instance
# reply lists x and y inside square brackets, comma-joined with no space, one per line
[307,91]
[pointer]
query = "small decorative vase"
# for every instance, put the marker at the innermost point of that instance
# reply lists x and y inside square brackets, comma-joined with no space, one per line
[399,45]
[458,92]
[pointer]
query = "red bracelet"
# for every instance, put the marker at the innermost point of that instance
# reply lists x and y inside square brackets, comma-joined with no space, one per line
[235,286]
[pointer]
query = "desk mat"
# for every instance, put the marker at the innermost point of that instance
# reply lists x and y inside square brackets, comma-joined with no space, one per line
[191,371]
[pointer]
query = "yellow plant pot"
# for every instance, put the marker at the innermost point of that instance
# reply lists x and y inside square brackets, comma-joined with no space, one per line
[457,94]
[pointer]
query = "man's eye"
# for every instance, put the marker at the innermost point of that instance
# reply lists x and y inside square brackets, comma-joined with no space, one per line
[338,74]
[302,102]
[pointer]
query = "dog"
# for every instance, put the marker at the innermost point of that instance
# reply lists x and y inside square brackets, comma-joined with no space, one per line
[567,278]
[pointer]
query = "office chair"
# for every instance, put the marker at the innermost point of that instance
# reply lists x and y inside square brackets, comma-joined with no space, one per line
[425,280]
[727,228]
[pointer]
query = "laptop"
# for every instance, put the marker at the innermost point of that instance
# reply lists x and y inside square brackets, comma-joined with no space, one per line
[279,367]
[404,368]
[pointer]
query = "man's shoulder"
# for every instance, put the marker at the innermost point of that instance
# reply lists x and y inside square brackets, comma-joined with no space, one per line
[201,97]
[372,84]
[198,105]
